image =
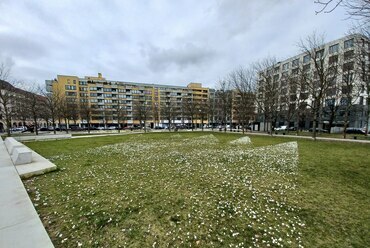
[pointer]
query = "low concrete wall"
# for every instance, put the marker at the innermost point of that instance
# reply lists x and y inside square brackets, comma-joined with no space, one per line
[43,137]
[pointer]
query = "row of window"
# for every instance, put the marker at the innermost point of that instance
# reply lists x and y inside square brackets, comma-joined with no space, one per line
[319,54]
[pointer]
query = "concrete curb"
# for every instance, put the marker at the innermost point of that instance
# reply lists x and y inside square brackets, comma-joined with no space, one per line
[20,225]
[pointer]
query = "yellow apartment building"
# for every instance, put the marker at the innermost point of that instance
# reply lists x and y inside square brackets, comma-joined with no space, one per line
[112,101]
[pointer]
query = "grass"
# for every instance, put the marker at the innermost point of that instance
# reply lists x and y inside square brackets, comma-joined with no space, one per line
[198,189]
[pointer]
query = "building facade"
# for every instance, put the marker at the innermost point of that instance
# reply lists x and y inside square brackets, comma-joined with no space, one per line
[339,70]
[17,106]
[119,103]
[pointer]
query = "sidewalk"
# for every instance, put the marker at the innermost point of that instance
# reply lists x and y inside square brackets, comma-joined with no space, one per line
[20,225]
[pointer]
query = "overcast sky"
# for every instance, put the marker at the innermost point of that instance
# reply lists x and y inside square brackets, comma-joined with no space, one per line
[159,41]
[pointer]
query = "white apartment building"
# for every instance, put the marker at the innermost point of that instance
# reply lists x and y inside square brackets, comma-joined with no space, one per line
[350,56]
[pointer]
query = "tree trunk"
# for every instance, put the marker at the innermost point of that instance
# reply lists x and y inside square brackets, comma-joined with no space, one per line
[53,123]
[202,123]
[345,122]
[367,111]
[35,121]
[65,122]
[88,127]
[314,125]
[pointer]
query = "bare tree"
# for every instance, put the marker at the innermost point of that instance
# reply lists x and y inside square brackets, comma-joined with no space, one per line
[169,111]
[358,10]
[203,110]
[190,109]
[85,110]
[332,102]
[52,101]
[212,109]
[73,111]
[34,102]
[362,70]
[120,112]
[244,82]
[353,77]
[156,114]
[316,74]
[268,91]
[224,102]
[7,98]
[142,111]
[64,111]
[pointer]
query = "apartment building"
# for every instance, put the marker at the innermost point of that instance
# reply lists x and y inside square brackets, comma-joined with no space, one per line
[107,98]
[345,67]
[16,108]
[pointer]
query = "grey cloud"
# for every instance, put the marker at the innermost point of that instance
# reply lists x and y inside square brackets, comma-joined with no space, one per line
[171,42]
[182,57]
[237,16]
[20,46]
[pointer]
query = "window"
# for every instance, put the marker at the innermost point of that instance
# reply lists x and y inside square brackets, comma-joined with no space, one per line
[93,94]
[348,66]
[332,81]
[93,88]
[346,90]
[343,101]
[320,54]
[334,48]
[333,59]
[83,88]
[330,102]
[68,93]
[306,58]
[306,67]
[285,66]
[361,100]
[348,77]
[348,43]
[331,91]
[83,94]
[303,96]
[295,62]
[295,71]
[349,55]
[70,87]
[82,83]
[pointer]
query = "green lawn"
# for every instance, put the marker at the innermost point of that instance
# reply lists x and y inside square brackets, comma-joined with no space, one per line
[198,189]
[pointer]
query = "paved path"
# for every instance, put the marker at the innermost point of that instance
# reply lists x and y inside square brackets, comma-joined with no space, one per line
[20,225]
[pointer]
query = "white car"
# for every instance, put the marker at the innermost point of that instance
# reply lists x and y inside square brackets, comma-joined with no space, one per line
[281,128]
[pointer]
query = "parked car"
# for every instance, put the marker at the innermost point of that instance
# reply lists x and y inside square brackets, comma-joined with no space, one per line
[354,130]
[281,128]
